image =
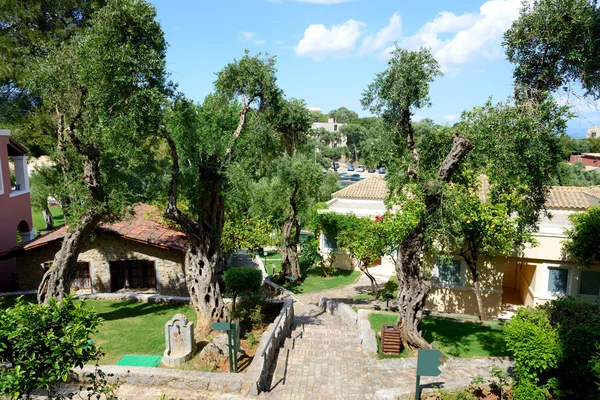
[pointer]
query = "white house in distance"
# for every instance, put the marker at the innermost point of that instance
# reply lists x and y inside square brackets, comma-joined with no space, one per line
[332,126]
[530,276]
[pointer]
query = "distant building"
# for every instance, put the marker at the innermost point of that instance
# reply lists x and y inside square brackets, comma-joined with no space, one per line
[15,208]
[332,126]
[591,161]
[593,131]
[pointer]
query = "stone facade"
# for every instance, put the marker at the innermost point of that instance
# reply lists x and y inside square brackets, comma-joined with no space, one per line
[170,279]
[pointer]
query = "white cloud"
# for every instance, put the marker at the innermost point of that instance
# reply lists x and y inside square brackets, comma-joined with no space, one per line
[339,41]
[389,33]
[451,117]
[472,35]
[250,37]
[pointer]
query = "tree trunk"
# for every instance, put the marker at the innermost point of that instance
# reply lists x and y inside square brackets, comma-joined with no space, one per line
[57,280]
[201,279]
[289,248]
[48,218]
[472,264]
[374,286]
[412,289]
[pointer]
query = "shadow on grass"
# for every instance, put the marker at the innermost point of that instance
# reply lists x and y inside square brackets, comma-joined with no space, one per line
[125,310]
[334,279]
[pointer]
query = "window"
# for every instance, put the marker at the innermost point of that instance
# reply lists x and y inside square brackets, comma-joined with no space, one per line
[590,283]
[448,272]
[132,274]
[335,128]
[557,280]
[329,242]
[82,280]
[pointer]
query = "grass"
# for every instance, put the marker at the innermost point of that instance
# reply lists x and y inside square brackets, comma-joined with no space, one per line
[133,328]
[273,258]
[38,218]
[454,338]
[315,281]
[390,288]
[129,327]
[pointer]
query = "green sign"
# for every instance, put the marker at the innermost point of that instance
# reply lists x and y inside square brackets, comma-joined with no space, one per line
[428,363]
[233,340]
[221,326]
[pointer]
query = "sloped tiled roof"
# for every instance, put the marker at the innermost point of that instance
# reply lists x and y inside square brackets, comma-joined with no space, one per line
[568,197]
[144,227]
[559,197]
[373,188]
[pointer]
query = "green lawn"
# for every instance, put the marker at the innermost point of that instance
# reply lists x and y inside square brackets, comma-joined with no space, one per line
[133,328]
[38,218]
[273,258]
[129,327]
[454,338]
[315,281]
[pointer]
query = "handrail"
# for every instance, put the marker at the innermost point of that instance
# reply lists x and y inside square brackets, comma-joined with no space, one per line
[275,330]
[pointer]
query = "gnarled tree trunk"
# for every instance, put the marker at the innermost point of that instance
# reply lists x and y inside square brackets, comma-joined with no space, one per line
[48,218]
[57,280]
[413,287]
[201,279]
[290,239]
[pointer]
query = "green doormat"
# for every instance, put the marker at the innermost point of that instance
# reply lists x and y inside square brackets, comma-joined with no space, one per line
[139,361]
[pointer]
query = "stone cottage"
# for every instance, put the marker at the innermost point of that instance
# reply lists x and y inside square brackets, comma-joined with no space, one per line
[139,253]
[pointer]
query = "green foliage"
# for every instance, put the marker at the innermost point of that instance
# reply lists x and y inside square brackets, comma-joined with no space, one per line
[242,231]
[343,115]
[554,44]
[44,182]
[536,349]
[250,310]
[291,120]
[575,175]
[553,346]
[107,87]
[28,33]
[582,242]
[238,280]
[309,253]
[44,343]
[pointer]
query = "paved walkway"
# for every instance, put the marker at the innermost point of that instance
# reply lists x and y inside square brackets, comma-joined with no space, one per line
[323,359]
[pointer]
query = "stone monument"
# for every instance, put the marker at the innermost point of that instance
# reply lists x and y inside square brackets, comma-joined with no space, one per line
[179,338]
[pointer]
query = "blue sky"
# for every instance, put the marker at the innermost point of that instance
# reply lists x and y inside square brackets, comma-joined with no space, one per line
[328,51]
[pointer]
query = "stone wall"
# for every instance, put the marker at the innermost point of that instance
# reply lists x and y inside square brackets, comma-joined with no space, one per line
[105,248]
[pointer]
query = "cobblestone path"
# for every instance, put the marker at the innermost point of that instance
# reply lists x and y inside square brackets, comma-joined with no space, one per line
[323,359]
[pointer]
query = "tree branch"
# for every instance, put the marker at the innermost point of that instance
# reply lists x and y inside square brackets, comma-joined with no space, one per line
[236,133]
[461,146]
[172,212]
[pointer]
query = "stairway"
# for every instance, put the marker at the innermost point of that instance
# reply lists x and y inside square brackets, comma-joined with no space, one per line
[321,360]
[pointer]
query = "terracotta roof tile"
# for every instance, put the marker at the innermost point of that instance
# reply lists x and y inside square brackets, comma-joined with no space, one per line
[559,197]
[373,188]
[143,226]
[570,197]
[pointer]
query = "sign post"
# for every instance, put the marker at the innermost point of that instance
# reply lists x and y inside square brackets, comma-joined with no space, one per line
[427,365]
[233,341]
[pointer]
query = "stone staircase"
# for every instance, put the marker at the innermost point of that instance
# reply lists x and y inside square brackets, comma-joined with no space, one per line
[322,359]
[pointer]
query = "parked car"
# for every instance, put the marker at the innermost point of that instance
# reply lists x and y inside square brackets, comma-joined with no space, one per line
[382,170]
[355,177]
[360,168]
[335,166]
[370,170]
[350,167]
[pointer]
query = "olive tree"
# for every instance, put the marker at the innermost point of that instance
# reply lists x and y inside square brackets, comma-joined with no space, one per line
[105,88]
[203,140]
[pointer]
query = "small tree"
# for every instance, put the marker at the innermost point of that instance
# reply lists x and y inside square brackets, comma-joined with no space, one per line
[239,280]
[582,239]
[43,343]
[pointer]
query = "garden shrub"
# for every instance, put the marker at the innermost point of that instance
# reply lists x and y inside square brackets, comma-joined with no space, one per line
[43,343]
[553,345]
[242,280]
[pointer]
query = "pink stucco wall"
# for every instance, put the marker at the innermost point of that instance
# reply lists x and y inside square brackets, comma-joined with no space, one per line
[12,212]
